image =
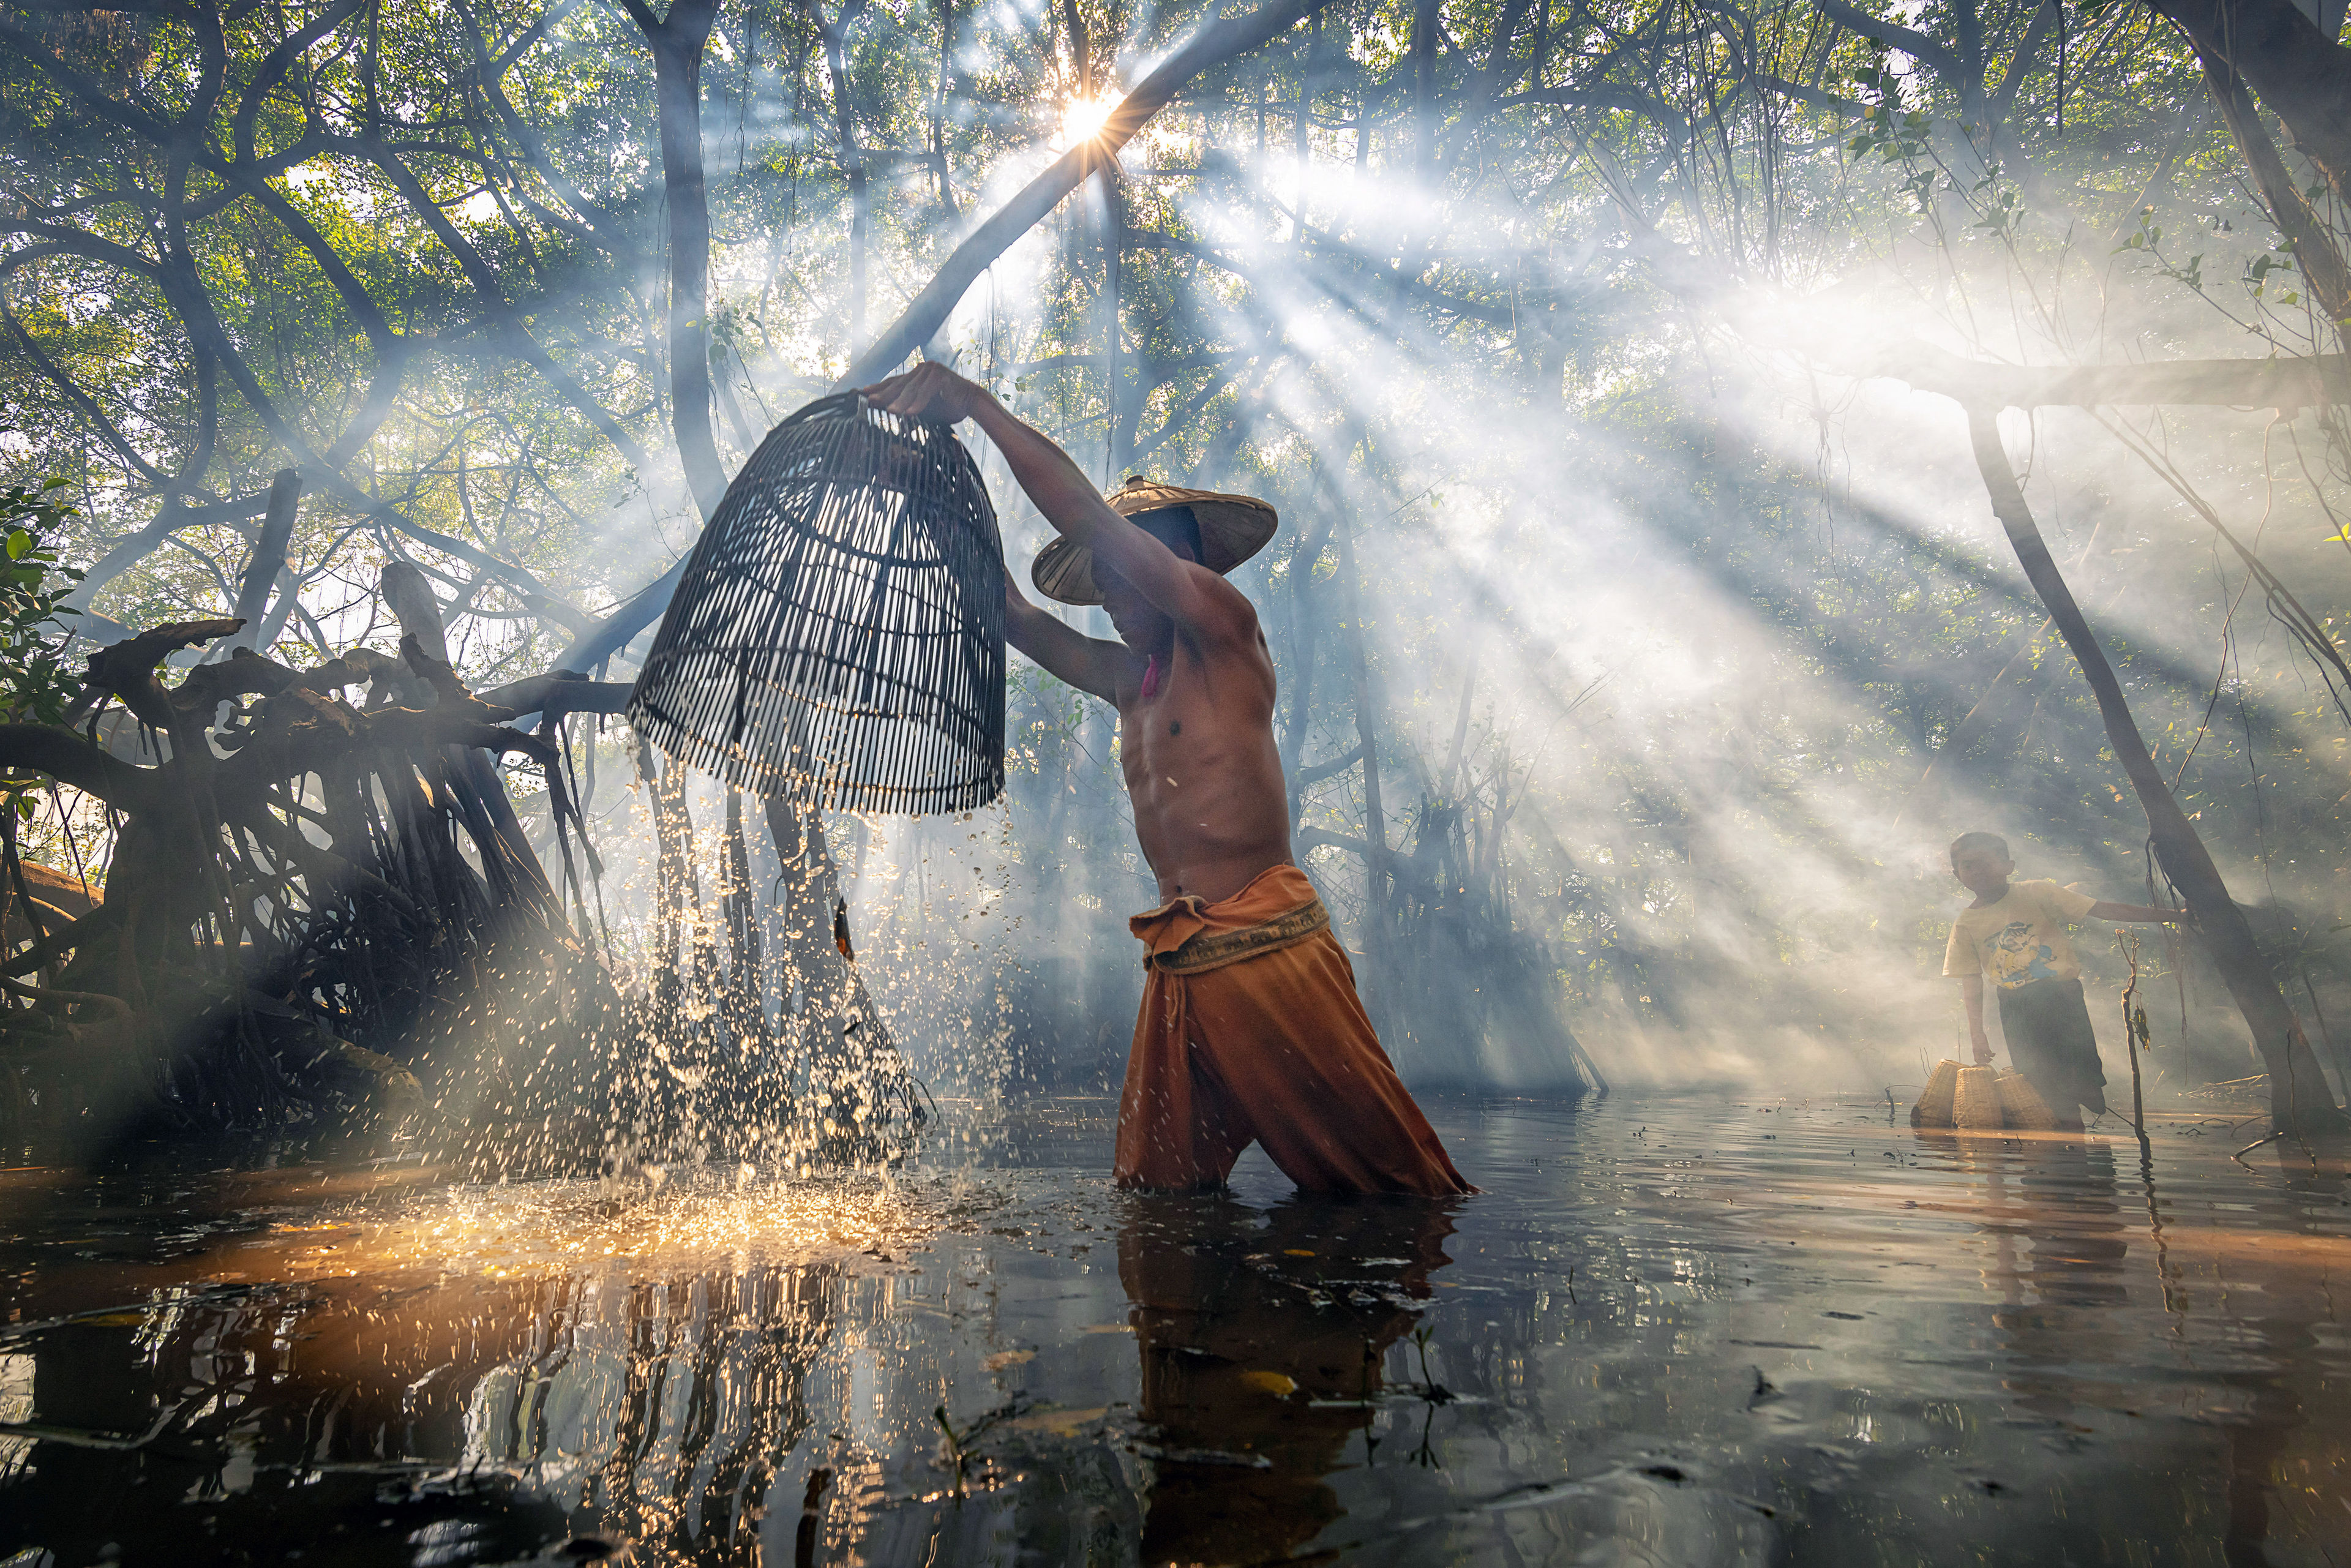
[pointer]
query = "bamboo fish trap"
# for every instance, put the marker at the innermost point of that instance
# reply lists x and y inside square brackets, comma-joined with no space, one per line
[839,633]
[1977,1099]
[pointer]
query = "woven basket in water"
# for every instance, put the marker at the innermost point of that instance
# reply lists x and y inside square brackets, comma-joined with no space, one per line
[1933,1106]
[838,632]
[1977,1104]
[2021,1106]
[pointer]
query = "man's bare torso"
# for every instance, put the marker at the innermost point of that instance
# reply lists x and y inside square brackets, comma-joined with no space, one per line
[1210,805]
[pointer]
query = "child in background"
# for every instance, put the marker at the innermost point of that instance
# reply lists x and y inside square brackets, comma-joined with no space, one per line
[2015,933]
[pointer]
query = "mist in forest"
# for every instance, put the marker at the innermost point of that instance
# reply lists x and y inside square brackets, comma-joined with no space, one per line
[1644,630]
[1638,686]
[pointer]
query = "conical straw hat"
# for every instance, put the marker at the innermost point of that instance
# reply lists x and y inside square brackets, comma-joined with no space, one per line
[1232,529]
[1977,1104]
[2021,1105]
[1933,1108]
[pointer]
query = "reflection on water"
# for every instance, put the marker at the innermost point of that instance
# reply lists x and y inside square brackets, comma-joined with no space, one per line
[1669,1331]
[1262,1342]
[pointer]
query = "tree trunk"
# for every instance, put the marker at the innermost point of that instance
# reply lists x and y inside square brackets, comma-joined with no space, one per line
[678,892]
[2314,247]
[852,164]
[1119,443]
[2303,76]
[1450,784]
[739,898]
[1302,643]
[1501,71]
[1081,71]
[2300,1100]
[1302,148]
[939,109]
[268,562]
[1424,90]
[1375,831]
[833,993]
[677,41]
[511,866]
[747,1071]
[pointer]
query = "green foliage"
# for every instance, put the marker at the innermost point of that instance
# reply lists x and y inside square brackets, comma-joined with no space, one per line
[462,209]
[2259,271]
[1889,130]
[34,687]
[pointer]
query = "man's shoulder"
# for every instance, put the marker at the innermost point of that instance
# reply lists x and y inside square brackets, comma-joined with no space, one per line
[1225,629]
[1221,606]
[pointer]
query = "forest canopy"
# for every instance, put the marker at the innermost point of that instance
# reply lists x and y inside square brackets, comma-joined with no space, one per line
[1633,380]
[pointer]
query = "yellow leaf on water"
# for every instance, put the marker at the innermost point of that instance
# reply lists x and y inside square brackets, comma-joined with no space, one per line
[1057,1423]
[1299,1251]
[1274,1383]
[1004,1358]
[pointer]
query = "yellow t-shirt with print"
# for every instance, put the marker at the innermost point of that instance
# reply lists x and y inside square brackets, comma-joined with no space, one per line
[2021,938]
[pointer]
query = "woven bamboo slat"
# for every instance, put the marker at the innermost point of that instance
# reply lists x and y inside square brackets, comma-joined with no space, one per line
[1933,1106]
[838,631]
[1976,1105]
[2021,1106]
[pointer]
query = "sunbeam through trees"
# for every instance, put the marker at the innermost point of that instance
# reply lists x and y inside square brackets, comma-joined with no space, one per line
[1651,394]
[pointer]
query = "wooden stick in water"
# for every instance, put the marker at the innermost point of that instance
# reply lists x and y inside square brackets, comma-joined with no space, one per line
[2134,1026]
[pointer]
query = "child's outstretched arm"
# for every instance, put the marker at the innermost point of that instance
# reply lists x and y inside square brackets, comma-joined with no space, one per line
[1971,993]
[2135,914]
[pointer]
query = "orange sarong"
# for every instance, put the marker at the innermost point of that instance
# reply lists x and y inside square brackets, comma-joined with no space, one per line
[1251,1032]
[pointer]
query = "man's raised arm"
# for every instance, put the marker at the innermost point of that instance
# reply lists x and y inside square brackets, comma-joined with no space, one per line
[1089,664]
[1192,595]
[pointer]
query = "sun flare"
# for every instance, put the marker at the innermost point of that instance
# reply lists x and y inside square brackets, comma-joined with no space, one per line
[1083,118]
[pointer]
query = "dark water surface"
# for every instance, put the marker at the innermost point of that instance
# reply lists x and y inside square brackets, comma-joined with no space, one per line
[1672,1330]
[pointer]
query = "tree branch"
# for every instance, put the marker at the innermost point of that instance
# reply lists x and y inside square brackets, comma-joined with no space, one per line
[1909,41]
[2280,384]
[71,759]
[1213,44]
[1331,770]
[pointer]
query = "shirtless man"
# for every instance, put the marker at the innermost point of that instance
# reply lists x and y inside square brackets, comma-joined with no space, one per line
[1250,1028]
